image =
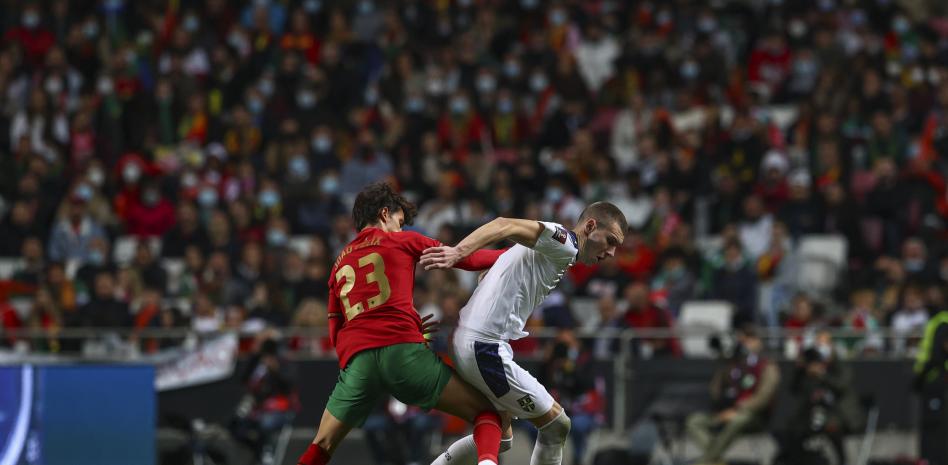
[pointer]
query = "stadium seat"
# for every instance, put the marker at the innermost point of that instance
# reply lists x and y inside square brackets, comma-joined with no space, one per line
[174,267]
[9,266]
[584,309]
[301,244]
[700,319]
[124,249]
[821,258]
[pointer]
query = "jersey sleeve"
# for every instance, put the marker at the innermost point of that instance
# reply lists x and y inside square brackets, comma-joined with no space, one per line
[415,243]
[556,242]
[334,311]
[479,260]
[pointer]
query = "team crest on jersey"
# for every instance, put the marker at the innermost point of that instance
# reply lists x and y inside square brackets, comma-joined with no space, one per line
[526,403]
[560,235]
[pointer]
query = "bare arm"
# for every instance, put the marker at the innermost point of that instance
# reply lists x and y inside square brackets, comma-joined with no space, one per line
[524,232]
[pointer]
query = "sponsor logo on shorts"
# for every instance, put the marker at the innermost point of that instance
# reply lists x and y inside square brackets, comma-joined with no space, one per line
[560,235]
[526,403]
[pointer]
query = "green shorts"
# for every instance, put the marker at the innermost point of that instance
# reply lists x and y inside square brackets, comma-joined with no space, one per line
[411,373]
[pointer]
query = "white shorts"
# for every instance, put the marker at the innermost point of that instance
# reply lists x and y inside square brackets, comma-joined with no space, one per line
[489,366]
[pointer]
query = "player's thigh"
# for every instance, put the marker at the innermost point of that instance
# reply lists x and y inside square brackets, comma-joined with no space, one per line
[490,367]
[462,400]
[357,391]
[415,375]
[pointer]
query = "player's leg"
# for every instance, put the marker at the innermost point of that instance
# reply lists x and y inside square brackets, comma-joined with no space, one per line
[416,376]
[350,403]
[330,433]
[553,430]
[516,391]
[464,450]
[489,366]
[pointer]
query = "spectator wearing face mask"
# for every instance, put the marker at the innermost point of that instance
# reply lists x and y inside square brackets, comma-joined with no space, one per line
[153,215]
[915,262]
[31,34]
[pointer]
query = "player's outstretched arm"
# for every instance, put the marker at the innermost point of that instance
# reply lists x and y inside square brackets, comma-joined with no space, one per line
[524,232]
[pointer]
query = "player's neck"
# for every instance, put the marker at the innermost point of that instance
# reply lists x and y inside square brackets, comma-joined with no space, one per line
[580,237]
[379,226]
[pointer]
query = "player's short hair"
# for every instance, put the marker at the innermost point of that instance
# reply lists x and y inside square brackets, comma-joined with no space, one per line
[376,196]
[605,213]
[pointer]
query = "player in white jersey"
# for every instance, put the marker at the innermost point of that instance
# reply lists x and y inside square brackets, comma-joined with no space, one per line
[503,301]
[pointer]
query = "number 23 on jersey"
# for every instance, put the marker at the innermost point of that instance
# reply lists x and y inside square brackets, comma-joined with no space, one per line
[374,275]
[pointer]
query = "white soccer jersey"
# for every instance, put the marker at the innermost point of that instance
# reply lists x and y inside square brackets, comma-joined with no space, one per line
[520,279]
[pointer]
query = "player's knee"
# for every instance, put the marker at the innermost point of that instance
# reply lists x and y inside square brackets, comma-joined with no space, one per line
[556,431]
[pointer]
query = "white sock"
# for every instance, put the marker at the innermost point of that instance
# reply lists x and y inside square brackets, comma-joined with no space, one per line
[486,462]
[462,452]
[547,454]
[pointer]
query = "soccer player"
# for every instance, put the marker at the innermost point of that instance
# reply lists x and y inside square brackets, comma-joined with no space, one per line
[501,305]
[379,336]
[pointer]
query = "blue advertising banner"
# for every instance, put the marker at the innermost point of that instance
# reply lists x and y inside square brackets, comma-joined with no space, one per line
[77,415]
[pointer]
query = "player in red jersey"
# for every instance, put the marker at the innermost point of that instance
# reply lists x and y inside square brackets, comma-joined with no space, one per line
[379,336]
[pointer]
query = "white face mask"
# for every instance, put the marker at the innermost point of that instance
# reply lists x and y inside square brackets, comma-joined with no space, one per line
[54,85]
[131,173]
[96,177]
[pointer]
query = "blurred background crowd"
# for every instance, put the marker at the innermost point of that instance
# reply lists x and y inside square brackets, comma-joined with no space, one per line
[193,163]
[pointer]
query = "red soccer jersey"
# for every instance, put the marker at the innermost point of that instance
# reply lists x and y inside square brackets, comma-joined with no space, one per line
[372,283]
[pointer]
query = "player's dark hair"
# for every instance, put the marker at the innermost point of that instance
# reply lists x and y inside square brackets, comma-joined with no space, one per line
[376,196]
[605,213]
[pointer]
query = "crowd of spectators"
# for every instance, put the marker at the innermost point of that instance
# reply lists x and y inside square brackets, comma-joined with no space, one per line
[216,132]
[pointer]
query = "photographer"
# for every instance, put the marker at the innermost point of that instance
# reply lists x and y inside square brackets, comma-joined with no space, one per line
[270,402]
[569,375]
[827,407]
[742,393]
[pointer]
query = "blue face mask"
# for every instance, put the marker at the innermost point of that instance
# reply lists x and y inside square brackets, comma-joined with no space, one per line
[276,238]
[505,106]
[207,197]
[322,144]
[459,106]
[191,23]
[96,258]
[255,106]
[329,185]
[512,69]
[269,198]
[538,82]
[312,6]
[414,105]
[299,167]
[486,84]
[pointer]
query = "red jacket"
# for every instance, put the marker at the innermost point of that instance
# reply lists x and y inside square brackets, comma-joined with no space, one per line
[144,221]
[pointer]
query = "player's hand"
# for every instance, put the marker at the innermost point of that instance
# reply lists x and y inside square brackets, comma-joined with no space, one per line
[429,326]
[442,257]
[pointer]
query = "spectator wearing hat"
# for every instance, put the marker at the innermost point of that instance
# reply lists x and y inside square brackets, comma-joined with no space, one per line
[773,187]
[72,236]
[801,211]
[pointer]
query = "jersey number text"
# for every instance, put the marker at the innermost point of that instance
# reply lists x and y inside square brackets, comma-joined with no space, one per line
[377,275]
